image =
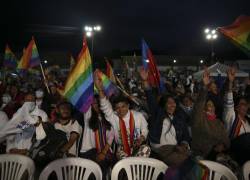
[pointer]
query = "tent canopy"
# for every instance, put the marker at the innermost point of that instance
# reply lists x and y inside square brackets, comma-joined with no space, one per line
[217,69]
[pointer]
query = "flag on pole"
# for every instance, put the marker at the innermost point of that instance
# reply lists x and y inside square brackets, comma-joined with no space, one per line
[79,87]
[30,57]
[239,33]
[149,64]
[10,60]
[110,72]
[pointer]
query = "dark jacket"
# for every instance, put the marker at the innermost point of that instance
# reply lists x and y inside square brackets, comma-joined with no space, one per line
[157,115]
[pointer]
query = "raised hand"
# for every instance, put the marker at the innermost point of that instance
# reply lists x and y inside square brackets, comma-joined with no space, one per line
[143,74]
[98,81]
[205,78]
[231,74]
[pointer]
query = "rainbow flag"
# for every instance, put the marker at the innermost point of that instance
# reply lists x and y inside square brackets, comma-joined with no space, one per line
[79,86]
[239,33]
[30,57]
[10,60]
[109,87]
[110,72]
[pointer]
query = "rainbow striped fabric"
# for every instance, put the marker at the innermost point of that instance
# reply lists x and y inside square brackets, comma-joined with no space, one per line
[110,72]
[30,56]
[109,87]
[239,33]
[10,60]
[79,87]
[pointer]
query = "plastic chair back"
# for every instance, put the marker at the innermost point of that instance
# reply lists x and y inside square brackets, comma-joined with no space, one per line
[217,170]
[139,168]
[246,170]
[13,167]
[72,169]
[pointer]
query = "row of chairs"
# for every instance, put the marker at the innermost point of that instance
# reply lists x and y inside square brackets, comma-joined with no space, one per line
[15,167]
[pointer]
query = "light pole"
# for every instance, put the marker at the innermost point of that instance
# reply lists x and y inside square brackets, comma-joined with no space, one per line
[90,31]
[211,35]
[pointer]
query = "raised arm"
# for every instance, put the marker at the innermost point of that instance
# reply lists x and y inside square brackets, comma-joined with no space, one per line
[229,113]
[151,100]
[106,106]
[201,100]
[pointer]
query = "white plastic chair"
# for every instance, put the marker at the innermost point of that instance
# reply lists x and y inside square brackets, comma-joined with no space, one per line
[139,168]
[217,170]
[72,169]
[246,170]
[13,167]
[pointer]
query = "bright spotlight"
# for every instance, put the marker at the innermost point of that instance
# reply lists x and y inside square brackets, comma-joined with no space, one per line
[215,36]
[209,36]
[89,33]
[206,30]
[98,28]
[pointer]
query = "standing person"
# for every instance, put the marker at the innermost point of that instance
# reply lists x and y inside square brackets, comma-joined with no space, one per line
[168,131]
[70,126]
[130,126]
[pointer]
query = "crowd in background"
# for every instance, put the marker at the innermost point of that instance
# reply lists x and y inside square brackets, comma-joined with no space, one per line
[190,120]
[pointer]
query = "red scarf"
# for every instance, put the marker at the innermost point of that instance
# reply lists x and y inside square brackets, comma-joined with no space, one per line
[211,117]
[124,136]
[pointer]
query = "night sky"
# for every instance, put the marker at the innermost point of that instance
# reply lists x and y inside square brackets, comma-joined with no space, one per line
[168,26]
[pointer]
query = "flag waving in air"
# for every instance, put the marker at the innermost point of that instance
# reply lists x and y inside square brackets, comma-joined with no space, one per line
[10,60]
[110,72]
[239,33]
[30,56]
[149,64]
[79,87]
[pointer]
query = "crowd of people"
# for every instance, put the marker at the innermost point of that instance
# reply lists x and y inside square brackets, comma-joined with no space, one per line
[190,121]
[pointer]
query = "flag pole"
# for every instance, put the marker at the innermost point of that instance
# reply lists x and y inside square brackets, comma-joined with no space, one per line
[128,95]
[122,89]
[44,78]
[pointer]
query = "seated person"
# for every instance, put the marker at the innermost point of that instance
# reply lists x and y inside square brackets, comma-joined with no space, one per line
[236,122]
[130,126]
[70,126]
[208,132]
[168,131]
[98,136]
[21,128]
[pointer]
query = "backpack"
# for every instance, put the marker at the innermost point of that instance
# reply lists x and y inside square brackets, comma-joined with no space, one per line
[47,150]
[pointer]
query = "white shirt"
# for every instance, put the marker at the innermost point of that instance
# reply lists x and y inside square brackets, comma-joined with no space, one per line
[141,125]
[71,126]
[168,134]
[245,127]
[88,139]
[229,115]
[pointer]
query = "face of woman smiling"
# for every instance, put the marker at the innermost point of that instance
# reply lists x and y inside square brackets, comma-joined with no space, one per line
[122,109]
[170,106]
